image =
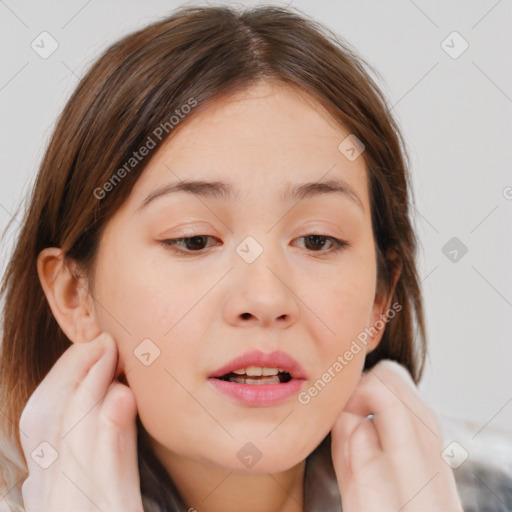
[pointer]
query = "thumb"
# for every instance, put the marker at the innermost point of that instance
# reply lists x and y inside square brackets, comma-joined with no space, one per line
[119,406]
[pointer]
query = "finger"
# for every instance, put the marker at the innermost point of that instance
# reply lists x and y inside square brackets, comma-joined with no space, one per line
[83,409]
[74,364]
[371,485]
[396,431]
[119,407]
[117,434]
[364,448]
[393,422]
[44,409]
[68,371]
[341,432]
[398,382]
[392,376]
[95,384]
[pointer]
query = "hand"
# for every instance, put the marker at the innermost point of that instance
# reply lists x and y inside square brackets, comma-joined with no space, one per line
[88,418]
[392,461]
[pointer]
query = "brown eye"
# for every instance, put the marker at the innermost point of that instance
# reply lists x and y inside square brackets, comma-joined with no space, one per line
[195,243]
[191,244]
[316,243]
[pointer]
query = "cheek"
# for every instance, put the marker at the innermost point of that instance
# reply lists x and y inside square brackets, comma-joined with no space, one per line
[343,311]
[143,298]
[153,314]
[137,302]
[166,405]
[342,303]
[328,392]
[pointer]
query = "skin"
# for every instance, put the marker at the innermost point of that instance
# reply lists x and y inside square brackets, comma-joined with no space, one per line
[204,309]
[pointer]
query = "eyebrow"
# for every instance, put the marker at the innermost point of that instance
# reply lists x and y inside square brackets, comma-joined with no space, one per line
[225,192]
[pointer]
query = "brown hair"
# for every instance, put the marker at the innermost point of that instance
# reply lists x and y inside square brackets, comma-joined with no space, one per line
[201,53]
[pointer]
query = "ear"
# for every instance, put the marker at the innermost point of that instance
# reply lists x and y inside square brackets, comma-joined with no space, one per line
[67,295]
[382,303]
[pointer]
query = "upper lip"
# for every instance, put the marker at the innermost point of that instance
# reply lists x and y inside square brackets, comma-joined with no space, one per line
[277,359]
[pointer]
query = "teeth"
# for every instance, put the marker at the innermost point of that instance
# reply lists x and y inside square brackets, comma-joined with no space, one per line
[257,371]
[266,380]
[254,371]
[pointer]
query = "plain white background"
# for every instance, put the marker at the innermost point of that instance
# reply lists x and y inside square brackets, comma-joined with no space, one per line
[455,114]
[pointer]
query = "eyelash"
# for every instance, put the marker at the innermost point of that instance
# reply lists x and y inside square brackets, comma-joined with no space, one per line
[172,243]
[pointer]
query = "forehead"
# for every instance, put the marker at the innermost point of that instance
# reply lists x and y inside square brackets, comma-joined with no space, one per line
[259,141]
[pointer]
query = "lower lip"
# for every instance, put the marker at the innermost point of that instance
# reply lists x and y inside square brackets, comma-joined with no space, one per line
[258,394]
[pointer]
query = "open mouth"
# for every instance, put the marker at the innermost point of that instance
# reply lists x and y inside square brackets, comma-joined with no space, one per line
[242,378]
[258,385]
[259,379]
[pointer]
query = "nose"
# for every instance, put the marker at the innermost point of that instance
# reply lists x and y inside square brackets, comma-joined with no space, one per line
[261,295]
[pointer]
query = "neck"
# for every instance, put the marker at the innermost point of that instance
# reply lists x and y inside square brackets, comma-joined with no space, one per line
[208,487]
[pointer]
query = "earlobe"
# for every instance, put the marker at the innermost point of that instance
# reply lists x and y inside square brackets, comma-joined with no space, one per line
[67,296]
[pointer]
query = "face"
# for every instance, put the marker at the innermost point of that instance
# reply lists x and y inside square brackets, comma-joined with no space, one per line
[252,275]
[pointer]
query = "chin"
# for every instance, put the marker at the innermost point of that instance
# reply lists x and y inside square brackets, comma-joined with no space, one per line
[264,465]
[260,456]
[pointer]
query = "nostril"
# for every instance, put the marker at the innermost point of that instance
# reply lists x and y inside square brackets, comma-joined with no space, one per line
[245,315]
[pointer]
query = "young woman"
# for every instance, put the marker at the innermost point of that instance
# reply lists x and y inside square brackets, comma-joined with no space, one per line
[213,302]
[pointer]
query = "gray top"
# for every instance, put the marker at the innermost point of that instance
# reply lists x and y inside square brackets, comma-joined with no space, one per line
[482,487]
